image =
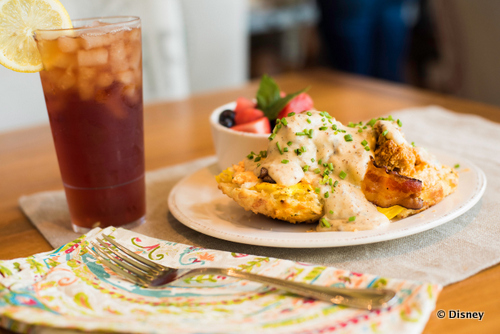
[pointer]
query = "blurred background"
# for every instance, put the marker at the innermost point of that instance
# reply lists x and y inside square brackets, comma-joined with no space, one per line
[197,46]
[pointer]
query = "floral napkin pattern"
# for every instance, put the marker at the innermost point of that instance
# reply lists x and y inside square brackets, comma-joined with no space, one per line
[68,288]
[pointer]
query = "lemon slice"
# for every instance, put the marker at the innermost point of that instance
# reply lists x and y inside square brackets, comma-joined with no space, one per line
[18,21]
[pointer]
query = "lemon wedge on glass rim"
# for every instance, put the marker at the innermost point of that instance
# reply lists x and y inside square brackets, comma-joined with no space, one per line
[19,19]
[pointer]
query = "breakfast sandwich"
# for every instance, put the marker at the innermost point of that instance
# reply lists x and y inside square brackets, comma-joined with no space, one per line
[348,177]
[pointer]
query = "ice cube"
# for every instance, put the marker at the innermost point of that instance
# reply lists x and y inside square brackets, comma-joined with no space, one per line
[93,57]
[104,79]
[135,57]
[86,73]
[94,41]
[131,93]
[66,81]
[118,57]
[135,34]
[126,77]
[62,60]
[86,90]
[68,44]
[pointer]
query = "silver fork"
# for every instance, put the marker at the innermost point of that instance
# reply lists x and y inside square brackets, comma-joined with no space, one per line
[153,275]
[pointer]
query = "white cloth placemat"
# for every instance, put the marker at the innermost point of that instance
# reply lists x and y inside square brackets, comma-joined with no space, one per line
[443,255]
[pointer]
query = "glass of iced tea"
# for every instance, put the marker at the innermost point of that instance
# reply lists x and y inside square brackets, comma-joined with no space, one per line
[92,82]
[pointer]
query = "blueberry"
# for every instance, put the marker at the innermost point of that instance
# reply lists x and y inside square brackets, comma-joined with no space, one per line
[226,118]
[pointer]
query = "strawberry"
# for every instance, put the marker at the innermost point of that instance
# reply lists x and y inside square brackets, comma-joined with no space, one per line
[242,103]
[298,104]
[247,115]
[261,125]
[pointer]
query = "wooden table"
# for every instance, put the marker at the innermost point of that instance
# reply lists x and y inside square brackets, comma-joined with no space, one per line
[179,131]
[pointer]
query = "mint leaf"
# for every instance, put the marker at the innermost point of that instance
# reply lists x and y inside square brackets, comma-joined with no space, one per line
[273,110]
[268,93]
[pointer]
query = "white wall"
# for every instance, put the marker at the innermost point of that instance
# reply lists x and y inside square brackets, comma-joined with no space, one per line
[21,100]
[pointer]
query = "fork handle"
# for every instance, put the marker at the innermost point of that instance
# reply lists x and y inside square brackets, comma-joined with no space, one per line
[369,299]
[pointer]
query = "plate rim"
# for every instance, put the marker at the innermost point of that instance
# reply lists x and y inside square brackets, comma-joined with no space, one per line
[322,242]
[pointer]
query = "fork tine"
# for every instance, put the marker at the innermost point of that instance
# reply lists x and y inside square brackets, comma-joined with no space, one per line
[116,268]
[116,261]
[129,260]
[135,256]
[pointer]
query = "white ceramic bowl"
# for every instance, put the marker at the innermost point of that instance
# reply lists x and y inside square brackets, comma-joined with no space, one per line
[233,146]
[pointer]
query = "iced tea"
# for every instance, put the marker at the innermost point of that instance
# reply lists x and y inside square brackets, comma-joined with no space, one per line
[92,84]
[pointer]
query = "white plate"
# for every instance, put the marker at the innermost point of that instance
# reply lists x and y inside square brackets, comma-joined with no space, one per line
[197,203]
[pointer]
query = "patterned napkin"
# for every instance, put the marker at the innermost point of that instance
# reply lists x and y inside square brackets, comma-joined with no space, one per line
[67,288]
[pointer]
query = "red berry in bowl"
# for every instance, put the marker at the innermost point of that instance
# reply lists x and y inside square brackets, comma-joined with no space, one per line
[248,115]
[260,125]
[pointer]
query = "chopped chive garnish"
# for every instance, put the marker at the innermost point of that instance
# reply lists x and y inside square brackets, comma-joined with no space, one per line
[291,114]
[263,154]
[330,166]
[336,132]
[413,143]
[385,133]
[325,165]
[308,121]
[372,122]
[367,148]
[457,166]
[320,161]
[257,159]
[317,171]
[326,172]
[348,137]
[284,121]
[300,133]
[289,143]
[353,218]
[309,113]
[250,156]
[360,130]
[342,175]
[313,160]
[323,128]
[331,212]
[279,147]
[351,125]
[334,127]
[284,161]
[258,165]
[303,149]
[336,183]
[278,126]
[343,131]
[400,123]
[330,121]
[390,118]
[330,181]
[305,168]
[364,143]
[326,194]
[310,134]
[365,127]
[323,120]
[325,223]
[317,190]
[285,149]
[271,137]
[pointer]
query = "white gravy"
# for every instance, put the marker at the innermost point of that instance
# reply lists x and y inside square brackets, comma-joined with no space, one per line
[346,208]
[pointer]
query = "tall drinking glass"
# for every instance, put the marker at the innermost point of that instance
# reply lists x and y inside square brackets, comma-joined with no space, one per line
[92,82]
